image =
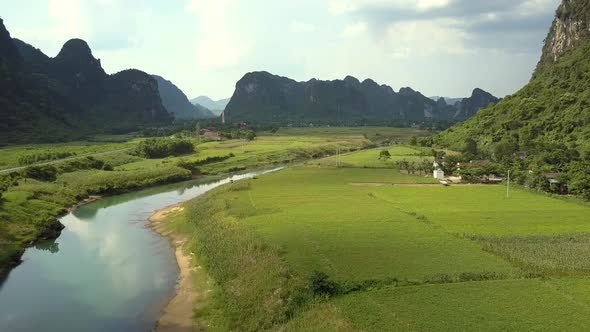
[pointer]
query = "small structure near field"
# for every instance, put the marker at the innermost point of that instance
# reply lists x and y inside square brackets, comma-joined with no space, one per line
[492,178]
[211,135]
[438,174]
[555,183]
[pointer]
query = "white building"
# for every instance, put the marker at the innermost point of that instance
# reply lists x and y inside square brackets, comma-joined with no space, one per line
[439,174]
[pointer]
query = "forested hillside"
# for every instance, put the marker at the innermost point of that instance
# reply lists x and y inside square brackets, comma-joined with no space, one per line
[549,119]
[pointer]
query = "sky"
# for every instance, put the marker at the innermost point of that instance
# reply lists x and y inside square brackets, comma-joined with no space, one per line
[438,47]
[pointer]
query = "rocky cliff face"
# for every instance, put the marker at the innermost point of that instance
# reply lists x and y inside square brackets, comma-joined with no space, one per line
[571,25]
[261,97]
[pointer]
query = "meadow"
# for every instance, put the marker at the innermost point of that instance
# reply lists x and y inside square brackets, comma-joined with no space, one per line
[316,247]
[370,158]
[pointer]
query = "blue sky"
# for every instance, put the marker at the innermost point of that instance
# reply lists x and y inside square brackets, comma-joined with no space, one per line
[439,47]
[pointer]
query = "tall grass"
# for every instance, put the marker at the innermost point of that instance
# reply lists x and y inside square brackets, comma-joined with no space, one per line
[559,255]
[257,288]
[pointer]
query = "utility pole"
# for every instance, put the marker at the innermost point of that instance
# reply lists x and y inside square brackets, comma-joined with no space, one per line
[338,158]
[198,129]
[508,186]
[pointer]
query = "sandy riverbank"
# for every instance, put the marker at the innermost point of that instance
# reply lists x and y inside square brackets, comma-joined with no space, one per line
[178,313]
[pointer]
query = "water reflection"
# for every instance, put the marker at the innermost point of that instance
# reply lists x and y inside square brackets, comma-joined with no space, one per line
[51,246]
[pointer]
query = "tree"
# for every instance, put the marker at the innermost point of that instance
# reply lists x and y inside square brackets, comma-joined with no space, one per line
[470,150]
[250,135]
[505,150]
[438,154]
[450,164]
[411,167]
[426,166]
[384,155]
[414,140]
[41,173]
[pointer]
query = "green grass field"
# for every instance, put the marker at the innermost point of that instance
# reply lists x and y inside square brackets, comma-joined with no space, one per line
[370,158]
[401,253]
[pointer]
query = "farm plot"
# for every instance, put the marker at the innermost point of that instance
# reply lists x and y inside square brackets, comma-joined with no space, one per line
[371,158]
[485,210]
[324,224]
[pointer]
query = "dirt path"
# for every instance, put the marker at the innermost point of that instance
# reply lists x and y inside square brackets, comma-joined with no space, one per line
[178,313]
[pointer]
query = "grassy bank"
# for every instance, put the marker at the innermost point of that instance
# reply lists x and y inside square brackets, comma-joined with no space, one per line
[322,248]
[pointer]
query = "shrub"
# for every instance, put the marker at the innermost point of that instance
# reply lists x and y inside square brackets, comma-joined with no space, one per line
[384,155]
[42,173]
[321,285]
[154,148]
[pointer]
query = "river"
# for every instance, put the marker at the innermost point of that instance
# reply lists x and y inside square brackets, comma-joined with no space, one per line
[106,272]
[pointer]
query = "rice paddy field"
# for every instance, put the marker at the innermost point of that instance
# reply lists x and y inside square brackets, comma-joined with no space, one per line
[372,249]
[370,158]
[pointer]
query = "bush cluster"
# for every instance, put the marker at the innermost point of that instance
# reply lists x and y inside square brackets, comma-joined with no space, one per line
[155,148]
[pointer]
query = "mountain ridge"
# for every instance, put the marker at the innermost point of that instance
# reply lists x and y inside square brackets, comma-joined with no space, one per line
[70,96]
[261,97]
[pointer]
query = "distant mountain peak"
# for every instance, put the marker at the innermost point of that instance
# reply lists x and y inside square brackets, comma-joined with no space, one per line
[177,103]
[352,80]
[77,67]
[75,48]
[215,106]
[8,51]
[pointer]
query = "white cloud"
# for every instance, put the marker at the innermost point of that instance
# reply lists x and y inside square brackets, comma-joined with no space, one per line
[355,29]
[70,17]
[425,38]
[536,7]
[339,7]
[220,43]
[301,27]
